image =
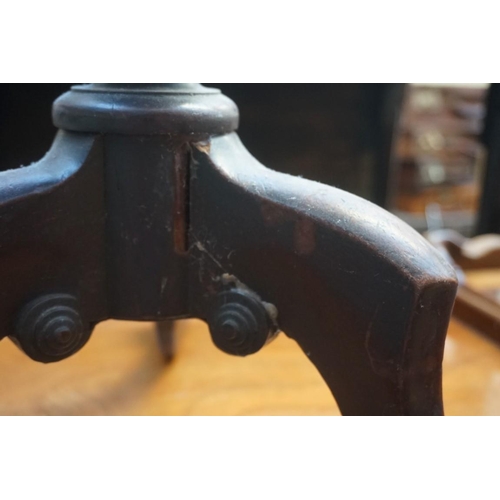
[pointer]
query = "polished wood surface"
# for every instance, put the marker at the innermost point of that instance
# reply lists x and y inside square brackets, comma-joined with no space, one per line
[121,372]
[483,279]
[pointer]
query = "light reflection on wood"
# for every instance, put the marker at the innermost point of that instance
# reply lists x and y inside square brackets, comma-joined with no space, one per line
[121,372]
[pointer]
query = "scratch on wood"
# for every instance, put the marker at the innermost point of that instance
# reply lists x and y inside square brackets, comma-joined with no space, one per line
[202,248]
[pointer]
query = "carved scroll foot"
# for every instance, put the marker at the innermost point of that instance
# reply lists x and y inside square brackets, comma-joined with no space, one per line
[367,298]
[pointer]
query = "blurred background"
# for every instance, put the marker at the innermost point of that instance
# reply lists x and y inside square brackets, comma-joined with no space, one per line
[430,153]
[415,149]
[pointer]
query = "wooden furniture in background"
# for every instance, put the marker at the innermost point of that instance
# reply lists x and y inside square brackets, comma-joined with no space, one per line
[477,263]
[439,154]
[149,208]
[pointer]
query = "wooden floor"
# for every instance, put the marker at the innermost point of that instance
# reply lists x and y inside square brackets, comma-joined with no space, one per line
[120,372]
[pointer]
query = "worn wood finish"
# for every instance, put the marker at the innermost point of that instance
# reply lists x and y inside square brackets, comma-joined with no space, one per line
[148,207]
[365,296]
